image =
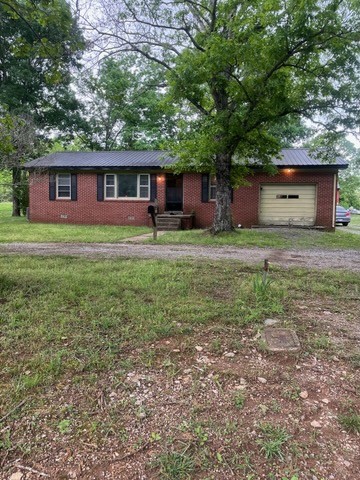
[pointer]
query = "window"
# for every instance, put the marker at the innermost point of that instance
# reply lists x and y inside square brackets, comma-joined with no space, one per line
[110,186]
[63,185]
[144,186]
[127,185]
[212,189]
[287,196]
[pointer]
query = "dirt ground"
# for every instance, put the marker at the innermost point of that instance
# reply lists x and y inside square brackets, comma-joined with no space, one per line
[210,399]
[314,258]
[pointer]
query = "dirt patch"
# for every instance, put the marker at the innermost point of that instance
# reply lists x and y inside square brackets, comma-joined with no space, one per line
[213,398]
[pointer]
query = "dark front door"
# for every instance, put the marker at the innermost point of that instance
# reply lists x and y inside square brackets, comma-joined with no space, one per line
[174,193]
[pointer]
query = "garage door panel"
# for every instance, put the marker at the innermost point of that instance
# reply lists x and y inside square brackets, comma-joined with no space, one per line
[287,204]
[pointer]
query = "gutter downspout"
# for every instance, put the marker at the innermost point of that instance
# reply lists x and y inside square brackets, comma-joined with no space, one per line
[334,199]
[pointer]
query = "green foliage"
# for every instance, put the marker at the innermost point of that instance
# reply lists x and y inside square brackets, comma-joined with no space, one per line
[176,465]
[261,285]
[331,145]
[239,400]
[246,73]
[5,186]
[64,426]
[6,126]
[40,45]
[273,439]
[350,421]
[350,191]
[5,440]
[124,107]
[254,73]
[201,435]
[322,342]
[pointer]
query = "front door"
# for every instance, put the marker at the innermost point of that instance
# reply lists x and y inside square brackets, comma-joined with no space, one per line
[174,193]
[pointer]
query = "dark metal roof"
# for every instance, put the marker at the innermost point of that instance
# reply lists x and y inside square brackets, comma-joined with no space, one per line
[86,160]
[289,157]
[300,157]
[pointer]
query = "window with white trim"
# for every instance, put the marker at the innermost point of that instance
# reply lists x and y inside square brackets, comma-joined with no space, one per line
[127,186]
[212,187]
[63,185]
[110,186]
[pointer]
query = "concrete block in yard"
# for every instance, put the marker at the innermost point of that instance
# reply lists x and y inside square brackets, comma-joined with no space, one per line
[281,340]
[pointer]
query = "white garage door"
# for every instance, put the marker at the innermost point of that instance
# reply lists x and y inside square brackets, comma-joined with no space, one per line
[287,204]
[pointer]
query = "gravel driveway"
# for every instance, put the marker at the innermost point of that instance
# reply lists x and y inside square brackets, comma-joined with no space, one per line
[314,258]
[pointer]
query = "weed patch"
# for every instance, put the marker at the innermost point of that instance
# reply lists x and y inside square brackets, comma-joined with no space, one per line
[350,421]
[176,465]
[274,438]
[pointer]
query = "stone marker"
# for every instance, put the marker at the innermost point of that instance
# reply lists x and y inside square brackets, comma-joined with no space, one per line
[281,340]
[16,476]
[268,322]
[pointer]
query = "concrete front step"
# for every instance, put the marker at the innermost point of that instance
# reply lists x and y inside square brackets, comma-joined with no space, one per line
[168,223]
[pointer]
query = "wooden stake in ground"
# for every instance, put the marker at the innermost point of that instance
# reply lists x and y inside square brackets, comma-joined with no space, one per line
[12,410]
[266,270]
[152,212]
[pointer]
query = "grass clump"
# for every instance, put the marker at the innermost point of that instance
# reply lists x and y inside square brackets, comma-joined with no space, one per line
[261,286]
[273,439]
[239,400]
[350,421]
[176,465]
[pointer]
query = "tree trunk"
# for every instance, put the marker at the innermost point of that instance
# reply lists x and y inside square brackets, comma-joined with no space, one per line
[16,183]
[223,218]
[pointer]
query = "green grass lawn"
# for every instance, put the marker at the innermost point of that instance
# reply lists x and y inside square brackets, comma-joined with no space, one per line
[68,315]
[84,341]
[284,238]
[355,220]
[18,229]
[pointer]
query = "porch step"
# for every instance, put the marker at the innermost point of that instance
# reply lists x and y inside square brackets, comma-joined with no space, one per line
[168,222]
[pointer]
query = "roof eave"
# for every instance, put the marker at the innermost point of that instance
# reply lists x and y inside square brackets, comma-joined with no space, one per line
[94,168]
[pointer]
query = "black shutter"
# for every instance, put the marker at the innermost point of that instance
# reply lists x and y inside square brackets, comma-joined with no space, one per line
[52,186]
[73,186]
[100,187]
[232,195]
[153,187]
[205,188]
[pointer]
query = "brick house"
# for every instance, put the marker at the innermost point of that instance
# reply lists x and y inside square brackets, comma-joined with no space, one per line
[115,188]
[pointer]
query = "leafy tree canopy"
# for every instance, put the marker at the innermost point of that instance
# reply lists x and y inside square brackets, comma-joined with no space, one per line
[40,43]
[349,180]
[244,68]
[124,107]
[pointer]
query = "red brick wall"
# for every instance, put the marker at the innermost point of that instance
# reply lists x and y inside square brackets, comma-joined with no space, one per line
[245,207]
[87,210]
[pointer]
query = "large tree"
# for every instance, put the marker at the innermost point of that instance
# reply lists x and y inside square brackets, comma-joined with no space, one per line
[244,67]
[124,108]
[40,44]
